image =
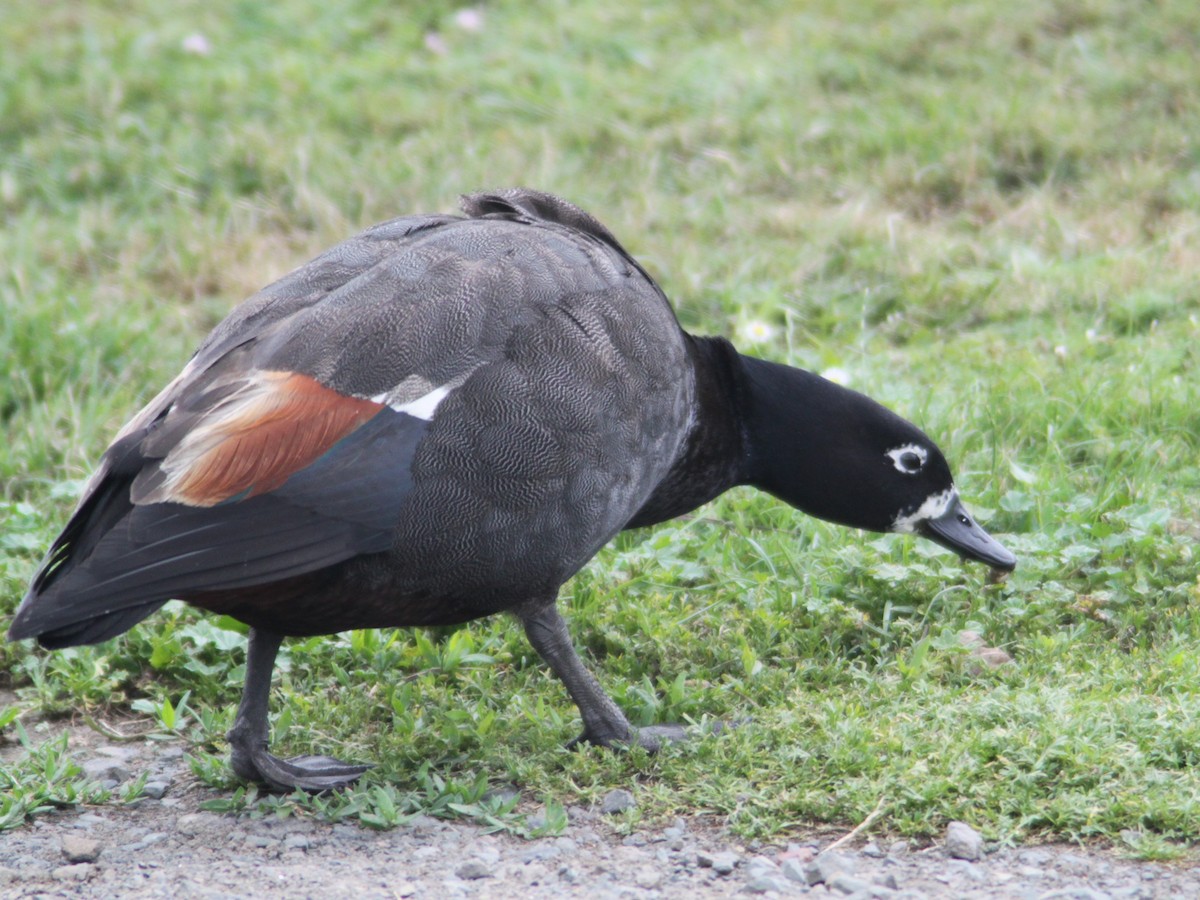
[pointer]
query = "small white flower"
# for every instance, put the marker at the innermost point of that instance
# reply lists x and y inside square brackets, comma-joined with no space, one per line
[756,331]
[436,44]
[837,375]
[196,44]
[1091,335]
[1060,351]
[469,19]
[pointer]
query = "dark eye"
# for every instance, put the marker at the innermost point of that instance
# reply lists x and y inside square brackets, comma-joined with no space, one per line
[909,461]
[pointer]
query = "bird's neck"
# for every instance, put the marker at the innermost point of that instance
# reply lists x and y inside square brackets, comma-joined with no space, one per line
[713,454]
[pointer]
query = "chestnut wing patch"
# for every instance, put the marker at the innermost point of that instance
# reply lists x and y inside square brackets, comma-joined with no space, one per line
[343,505]
[249,442]
[225,522]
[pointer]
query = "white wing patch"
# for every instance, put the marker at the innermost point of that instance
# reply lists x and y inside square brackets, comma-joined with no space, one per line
[424,405]
[935,505]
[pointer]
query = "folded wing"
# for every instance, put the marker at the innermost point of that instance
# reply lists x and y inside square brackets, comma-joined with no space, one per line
[237,484]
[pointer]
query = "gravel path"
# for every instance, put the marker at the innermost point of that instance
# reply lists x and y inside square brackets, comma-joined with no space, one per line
[166,847]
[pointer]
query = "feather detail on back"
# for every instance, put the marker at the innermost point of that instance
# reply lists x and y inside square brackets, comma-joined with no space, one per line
[539,208]
[526,205]
[449,402]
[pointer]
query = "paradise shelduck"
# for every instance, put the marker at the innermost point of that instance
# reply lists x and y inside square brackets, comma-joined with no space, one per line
[443,418]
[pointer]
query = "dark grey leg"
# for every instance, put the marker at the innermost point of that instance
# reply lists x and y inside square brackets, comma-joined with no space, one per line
[248,736]
[603,721]
[249,732]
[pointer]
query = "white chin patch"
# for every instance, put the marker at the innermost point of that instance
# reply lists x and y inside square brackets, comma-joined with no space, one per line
[935,505]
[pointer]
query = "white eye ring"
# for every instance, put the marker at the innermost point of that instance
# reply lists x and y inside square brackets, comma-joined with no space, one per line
[909,459]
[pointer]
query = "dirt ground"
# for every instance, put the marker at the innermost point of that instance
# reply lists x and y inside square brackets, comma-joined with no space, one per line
[166,846]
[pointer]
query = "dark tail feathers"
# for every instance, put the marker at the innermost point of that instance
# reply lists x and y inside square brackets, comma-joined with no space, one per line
[89,631]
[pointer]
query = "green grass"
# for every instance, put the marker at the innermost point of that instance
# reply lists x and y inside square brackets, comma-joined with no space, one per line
[989,220]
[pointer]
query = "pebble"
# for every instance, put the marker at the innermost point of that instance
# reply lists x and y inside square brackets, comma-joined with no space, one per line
[473,869]
[297,842]
[147,841]
[648,877]
[872,850]
[825,866]
[80,849]
[75,872]
[799,853]
[194,823]
[963,841]
[617,801]
[793,870]
[724,863]
[765,883]
[105,769]
[540,852]
[1073,864]
[759,864]
[848,884]
[155,789]
[966,869]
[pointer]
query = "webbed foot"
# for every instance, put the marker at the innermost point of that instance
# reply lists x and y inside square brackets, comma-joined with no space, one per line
[309,773]
[248,737]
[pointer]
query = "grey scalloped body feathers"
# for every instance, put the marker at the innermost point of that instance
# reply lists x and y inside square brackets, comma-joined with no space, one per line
[443,418]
